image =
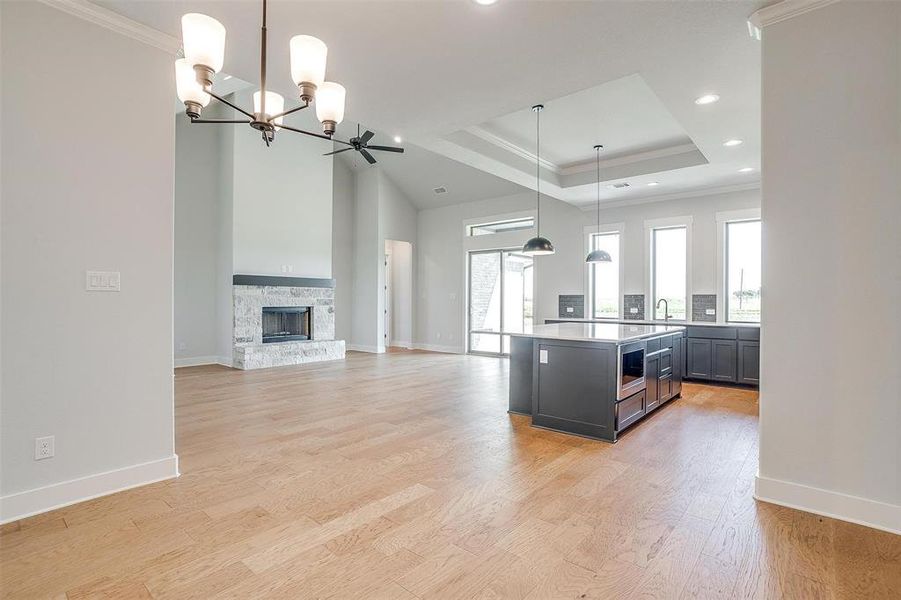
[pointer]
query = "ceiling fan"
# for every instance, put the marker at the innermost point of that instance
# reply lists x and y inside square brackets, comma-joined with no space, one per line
[361,145]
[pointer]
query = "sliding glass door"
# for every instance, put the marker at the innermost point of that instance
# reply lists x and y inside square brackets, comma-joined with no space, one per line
[500,299]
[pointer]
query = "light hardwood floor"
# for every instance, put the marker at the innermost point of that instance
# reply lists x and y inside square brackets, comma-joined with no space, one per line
[402,476]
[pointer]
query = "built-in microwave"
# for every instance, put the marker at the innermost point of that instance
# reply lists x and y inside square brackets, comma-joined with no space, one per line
[630,370]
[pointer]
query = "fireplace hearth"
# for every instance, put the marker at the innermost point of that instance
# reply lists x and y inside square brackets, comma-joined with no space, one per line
[287,323]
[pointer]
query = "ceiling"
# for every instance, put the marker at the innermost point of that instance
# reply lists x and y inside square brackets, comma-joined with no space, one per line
[457,79]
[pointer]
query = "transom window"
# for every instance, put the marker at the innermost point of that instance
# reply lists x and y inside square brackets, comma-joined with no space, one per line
[501,226]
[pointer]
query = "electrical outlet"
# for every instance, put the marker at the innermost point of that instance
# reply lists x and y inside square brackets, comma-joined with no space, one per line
[709,312]
[102,281]
[43,447]
[182,346]
[633,311]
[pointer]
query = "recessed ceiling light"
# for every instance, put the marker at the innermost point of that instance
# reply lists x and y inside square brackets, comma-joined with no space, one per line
[485,2]
[707,99]
[730,143]
[653,183]
[398,139]
[746,169]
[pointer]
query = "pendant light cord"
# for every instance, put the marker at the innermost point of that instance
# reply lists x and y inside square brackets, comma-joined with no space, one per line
[538,170]
[598,151]
[263,65]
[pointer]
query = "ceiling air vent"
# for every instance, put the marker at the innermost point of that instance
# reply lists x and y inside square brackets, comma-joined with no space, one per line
[618,186]
[440,190]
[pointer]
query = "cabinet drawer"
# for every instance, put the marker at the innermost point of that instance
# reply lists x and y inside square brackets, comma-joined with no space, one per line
[666,362]
[713,333]
[752,334]
[630,410]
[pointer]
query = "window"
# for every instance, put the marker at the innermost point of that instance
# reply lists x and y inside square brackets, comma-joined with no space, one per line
[604,277]
[743,271]
[501,226]
[669,271]
[500,299]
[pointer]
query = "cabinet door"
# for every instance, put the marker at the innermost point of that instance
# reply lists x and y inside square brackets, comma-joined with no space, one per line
[678,364]
[749,362]
[651,374]
[700,357]
[725,360]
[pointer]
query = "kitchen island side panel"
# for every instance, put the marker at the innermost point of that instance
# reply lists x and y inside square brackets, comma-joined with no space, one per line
[520,375]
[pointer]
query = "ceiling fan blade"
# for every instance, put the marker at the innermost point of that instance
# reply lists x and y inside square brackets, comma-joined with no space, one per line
[385,148]
[369,158]
[337,151]
[366,136]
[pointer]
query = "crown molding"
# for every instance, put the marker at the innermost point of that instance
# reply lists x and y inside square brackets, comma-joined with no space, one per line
[500,142]
[787,9]
[628,159]
[698,193]
[115,22]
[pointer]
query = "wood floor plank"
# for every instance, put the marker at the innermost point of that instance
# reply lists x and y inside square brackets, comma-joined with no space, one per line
[402,476]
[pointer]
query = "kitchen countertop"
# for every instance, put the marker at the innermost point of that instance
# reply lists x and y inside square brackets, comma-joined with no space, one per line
[680,323]
[614,333]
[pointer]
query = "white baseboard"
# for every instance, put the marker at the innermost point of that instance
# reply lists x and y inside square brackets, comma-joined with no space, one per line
[401,344]
[439,348]
[365,348]
[32,502]
[197,361]
[836,505]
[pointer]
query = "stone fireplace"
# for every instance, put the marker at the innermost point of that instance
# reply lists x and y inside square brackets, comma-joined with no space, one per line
[283,321]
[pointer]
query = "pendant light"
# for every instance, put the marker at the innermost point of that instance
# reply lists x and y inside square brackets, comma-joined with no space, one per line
[538,246]
[598,255]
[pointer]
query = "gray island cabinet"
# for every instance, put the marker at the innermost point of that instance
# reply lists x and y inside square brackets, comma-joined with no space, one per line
[594,379]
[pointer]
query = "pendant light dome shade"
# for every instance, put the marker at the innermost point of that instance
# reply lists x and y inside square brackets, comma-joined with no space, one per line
[598,256]
[538,246]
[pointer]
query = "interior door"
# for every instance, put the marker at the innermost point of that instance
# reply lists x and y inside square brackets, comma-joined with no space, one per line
[500,299]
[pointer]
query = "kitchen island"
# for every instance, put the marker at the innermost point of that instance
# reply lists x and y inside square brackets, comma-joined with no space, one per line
[594,379]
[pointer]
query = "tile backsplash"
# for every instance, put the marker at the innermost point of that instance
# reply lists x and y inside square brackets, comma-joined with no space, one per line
[703,307]
[571,306]
[633,307]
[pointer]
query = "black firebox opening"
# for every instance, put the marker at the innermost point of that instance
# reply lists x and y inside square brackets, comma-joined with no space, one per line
[287,323]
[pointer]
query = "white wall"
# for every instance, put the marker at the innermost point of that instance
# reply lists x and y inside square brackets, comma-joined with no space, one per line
[396,222]
[829,400]
[368,255]
[94,369]
[443,247]
[282,203]
[343,193]
[197,216]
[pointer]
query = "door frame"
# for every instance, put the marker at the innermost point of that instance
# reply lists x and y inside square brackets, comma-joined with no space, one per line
[468,309]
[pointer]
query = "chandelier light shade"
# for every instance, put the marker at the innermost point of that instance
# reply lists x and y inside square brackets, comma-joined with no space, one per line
[330,104]
[538,246]
[308,56]
[187,88]
[204,41]
[204,50]
[598,255]
[275,105]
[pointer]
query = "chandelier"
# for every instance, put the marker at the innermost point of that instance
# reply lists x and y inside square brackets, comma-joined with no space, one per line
[203,38]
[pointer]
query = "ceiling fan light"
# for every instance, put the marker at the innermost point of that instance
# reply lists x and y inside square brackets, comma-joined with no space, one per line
[275,104]
[598,256]
[204,41]
[186,86]
[538,246]
[308,56]
[330,102]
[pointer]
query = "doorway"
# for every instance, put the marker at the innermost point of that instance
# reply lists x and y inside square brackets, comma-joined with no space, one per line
[500,299]
[397,300]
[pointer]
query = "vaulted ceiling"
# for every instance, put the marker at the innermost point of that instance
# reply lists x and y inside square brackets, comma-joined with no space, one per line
[457,79]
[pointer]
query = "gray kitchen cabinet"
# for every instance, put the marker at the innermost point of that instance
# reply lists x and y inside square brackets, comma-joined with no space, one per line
[748,362]
[651,378]
[724,360]
[700,358]
[678,363]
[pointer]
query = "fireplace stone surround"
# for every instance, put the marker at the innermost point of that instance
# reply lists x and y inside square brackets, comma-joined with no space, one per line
[251,293]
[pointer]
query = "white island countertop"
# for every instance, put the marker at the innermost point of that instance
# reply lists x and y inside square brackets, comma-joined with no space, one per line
[597,332]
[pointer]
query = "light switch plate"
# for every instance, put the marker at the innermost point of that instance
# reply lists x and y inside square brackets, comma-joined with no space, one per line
[542,357]
[102,281]
[570,309]
[633,310]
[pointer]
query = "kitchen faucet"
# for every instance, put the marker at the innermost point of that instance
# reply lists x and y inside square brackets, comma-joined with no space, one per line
[666,315]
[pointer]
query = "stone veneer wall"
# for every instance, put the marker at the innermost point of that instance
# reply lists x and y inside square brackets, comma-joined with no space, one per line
[249,350]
